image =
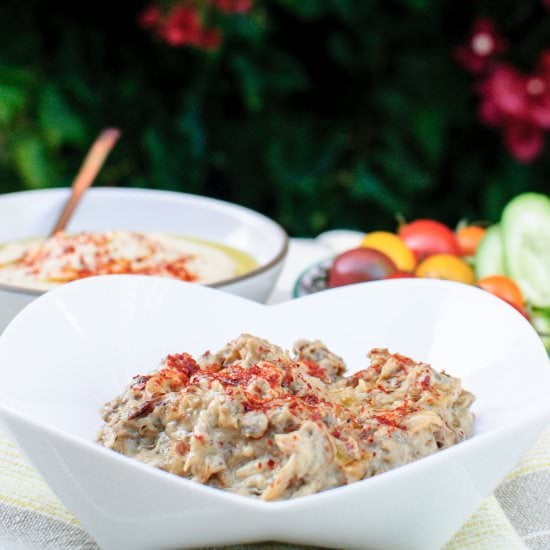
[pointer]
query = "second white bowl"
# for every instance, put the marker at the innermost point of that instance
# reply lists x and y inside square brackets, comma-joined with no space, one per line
[32,214]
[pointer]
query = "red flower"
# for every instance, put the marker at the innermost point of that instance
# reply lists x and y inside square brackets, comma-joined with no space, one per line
[182,26]
[210,39]
[519,105]
[233,6]
[544,62]
[538,90]
[482,46]
[504,96]
[149,17]
[525,141]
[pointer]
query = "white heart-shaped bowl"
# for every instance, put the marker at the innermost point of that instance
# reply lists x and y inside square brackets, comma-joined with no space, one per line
[28,214]
[78,346]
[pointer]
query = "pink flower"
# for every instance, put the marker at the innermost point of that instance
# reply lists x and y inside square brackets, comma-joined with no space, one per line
[233,6]
[481,48]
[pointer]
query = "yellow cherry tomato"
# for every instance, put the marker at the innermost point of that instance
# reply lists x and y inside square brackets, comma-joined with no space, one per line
[446,266]
[392,246]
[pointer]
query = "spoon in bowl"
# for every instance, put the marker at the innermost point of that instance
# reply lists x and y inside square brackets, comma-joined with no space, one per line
[87,173]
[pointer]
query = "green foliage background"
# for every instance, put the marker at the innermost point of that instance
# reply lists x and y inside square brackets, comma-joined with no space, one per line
[319,113]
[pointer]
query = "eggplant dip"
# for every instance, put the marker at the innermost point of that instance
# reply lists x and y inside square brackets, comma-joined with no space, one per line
[259,421]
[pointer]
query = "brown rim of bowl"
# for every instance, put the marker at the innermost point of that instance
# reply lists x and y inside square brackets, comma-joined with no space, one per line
[260,269]
[256,271]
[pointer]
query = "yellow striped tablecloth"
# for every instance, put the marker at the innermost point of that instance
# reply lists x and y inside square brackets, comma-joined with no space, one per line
[517,516]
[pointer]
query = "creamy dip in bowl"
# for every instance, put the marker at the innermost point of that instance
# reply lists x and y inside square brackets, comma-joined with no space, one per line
[43,264]
[196,238]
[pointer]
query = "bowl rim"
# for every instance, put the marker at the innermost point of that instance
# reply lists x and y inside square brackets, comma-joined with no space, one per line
[279,256]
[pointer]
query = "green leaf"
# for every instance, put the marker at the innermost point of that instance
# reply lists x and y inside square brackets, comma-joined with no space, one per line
[157,156]
[341,49]
[250,83]
[506,181]
[32,162]
[307,9]
[296,163]
[16,76]
[366,185]
[284,75]
[318,220]
[418,5]
[58,121]
[428,128]
[400,165]
[12,100]
[190,125]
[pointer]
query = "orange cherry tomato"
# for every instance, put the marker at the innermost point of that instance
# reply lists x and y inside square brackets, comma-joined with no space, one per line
[392,246]
[469,238]
[446,266]
[504,288]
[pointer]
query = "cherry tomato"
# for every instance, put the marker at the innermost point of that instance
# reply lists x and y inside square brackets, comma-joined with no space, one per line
[400,275]
[427,237]
[358,265]
[504,288]
[392,246]
[469,238]
[446,266]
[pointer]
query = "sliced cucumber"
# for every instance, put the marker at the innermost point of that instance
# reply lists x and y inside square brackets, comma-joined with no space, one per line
[540,319]
[525,227]
[489,259]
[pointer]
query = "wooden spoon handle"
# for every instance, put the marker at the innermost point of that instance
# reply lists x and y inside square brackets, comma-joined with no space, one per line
[86,175]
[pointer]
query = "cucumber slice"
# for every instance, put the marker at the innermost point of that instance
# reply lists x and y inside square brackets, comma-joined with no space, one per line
[526,238]
[489,258]
[540,319]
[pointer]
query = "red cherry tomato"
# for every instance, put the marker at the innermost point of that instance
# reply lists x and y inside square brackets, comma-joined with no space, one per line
[427,237]
[401,275]
[359,265]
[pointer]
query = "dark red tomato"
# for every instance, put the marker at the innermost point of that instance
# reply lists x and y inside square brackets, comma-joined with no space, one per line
[359,265]
[427,237]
